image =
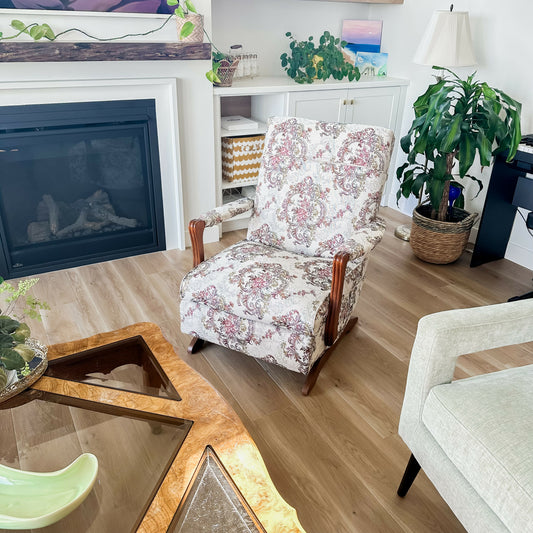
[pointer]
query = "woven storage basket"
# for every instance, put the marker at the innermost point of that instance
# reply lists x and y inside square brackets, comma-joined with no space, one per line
[439,242]
[225,73]
[241,157]
[197,35]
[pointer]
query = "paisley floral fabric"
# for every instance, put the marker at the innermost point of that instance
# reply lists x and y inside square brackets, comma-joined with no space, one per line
[252,296]
[226,211]
[318,193]
[319,185]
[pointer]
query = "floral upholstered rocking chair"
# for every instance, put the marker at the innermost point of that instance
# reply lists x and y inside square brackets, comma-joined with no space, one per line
[286,293]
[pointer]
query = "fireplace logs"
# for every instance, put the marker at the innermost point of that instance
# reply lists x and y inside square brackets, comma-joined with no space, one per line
[58,220]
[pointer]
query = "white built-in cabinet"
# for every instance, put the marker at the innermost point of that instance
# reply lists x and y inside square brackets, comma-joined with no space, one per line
[373,101]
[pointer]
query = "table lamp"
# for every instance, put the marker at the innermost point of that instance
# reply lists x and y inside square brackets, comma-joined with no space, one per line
[447,42]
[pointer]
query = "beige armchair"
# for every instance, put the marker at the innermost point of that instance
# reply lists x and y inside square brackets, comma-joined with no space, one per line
[473,437]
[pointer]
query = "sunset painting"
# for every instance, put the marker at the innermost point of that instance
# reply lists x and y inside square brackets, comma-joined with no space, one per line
[109,6]
[361,36]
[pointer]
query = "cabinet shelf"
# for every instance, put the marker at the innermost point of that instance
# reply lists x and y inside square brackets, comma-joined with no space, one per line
[238,183]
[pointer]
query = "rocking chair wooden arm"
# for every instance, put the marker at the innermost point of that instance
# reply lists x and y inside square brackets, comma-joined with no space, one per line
[335,299]
[211,218]
[196,231]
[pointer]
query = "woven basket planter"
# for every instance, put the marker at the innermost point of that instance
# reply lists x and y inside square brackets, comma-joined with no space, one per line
[197,35]
[225,73]
[439,242]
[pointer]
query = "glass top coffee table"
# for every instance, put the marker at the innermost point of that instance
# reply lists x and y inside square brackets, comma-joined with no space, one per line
[173,456]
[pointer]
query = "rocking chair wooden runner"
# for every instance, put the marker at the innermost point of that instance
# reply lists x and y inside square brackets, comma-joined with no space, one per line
[286,293]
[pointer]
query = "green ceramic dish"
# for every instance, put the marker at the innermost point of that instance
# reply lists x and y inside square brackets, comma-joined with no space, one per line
[30,500]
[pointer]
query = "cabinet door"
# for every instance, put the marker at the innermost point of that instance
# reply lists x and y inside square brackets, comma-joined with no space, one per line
[375,107]
[328,106]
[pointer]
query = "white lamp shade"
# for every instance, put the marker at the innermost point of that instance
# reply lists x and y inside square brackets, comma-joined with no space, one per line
[447,41]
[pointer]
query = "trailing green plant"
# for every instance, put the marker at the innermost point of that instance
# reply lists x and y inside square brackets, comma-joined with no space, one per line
[455,119]
[183,7]
[15,354]
[309,61]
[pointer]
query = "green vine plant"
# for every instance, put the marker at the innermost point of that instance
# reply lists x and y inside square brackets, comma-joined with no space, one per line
[308,61]
[15,354]
[43,31]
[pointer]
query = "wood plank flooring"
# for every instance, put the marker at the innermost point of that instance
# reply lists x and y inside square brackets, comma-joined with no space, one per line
[335,456]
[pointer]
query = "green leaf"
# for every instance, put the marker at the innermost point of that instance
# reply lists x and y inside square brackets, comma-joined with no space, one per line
[37,32]
[49,33]
[8,325]
[452,135]
[485,150]
[190,6]
[186,29]
[18,25]
[466,154]
[11,359]
[399,170]
[435,188]
[6,341]
[418,183]
[212,76]
[172,2]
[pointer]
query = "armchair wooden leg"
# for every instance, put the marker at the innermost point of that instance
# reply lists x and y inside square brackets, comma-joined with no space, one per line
[195,344]
[409,476]
[320,362]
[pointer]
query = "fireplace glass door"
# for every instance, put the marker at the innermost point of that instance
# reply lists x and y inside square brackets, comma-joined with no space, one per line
[79,183]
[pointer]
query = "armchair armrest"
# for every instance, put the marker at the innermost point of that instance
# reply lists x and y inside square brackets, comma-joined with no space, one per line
[442,337]
[211,218]
[367,238]
[226,211]
[356,249]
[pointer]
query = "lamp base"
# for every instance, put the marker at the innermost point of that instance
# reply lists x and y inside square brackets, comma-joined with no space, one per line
[403,232]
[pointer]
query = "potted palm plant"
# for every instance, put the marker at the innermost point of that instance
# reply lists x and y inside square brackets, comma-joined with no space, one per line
[455,119]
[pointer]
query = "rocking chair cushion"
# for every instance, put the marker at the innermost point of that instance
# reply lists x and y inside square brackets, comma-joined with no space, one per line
[266,284]
[319,185]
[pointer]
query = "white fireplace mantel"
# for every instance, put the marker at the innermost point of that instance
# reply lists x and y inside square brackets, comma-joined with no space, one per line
[162,90]
[184,104]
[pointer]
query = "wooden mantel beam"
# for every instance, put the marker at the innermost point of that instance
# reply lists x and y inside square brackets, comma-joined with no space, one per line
[88,51]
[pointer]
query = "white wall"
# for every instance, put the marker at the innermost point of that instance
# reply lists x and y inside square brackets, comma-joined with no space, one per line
[260,25]
[502,41]
[501,34]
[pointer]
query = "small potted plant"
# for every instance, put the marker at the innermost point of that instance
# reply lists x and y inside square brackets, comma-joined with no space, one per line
[190,23]
[455,119]
[309,61]
[22,359]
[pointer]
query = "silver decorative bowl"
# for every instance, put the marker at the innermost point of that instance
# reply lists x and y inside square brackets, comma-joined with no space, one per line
[17,382]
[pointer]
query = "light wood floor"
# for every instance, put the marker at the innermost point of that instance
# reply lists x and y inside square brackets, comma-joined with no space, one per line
[335,456]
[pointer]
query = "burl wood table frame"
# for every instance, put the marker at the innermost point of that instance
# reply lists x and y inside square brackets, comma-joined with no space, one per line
[215,424]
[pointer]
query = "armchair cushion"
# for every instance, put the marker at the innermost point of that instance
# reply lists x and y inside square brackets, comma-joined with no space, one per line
[249,283]
[484,425]
[319,184]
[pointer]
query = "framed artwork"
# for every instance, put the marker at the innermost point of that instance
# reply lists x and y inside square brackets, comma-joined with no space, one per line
[361,36]
[106,6]
[371,64]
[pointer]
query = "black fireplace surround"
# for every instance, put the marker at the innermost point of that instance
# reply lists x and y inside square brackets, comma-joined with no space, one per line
[79,183]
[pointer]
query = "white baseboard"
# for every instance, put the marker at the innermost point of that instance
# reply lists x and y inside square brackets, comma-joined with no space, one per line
[520,255]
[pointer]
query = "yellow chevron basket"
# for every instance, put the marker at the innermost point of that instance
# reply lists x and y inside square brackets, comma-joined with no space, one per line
[241,158]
